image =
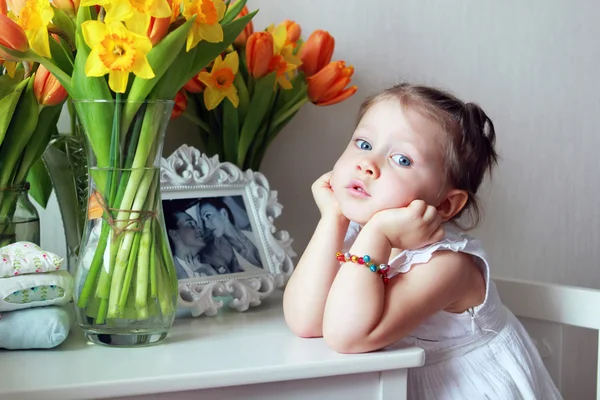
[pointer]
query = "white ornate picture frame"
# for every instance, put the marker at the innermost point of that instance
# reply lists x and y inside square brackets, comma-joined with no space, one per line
[208,205]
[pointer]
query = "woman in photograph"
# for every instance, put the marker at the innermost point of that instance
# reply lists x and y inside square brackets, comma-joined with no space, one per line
[230,246]
[187,241]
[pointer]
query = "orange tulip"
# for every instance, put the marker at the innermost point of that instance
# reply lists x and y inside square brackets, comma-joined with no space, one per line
[46,88]
[194,85]
[181,103]
[242,38]
[3,8]
[69,7]
[259,51]
[293,31]
[12,35]
[316,52]
[328,86]
[158,29]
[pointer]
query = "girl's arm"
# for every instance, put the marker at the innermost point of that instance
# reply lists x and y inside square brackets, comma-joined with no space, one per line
[362,314]
[306,292]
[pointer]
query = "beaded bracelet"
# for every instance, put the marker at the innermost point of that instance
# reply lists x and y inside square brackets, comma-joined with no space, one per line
[365,260]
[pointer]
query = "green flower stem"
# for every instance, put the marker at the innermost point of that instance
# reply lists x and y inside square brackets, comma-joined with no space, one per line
[129,273]
[141,286]
[153,288]
[282,116]
[101,317]
[92,275]
[125,247]
[165,299]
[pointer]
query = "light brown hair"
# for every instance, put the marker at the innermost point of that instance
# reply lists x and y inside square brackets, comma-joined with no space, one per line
[469,149]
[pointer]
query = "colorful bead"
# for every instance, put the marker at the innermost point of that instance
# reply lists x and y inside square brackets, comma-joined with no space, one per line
[381,269]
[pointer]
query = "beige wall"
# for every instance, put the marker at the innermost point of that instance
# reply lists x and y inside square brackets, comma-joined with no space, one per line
[532,65]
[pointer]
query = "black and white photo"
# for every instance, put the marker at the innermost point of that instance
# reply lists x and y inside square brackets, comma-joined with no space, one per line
[211,236]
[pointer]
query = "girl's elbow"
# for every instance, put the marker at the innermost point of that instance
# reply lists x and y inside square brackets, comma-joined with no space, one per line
[304,328]
[345,342]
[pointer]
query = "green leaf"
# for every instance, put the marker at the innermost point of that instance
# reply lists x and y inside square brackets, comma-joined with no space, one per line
[232,11]
[61,57]
[259,106]
[45,128]
[243,95]
[162,58]
[65,24]
[230,131]
[8,102]
[96,118]
[29,55]
[19,132]
[41,186]
[274,131]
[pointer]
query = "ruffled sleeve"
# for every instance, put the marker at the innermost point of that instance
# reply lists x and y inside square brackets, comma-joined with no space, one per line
[404,261]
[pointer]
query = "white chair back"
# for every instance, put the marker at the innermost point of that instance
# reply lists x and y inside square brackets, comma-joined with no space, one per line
[568,305]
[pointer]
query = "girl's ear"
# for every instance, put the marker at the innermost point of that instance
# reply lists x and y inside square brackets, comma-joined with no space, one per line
[453,203]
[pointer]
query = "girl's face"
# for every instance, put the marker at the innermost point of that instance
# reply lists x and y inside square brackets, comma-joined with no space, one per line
[214,220]
[395,156]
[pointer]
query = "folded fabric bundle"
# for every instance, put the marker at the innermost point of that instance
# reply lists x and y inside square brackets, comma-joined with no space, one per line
[35,290]
[27,258]
[35,328]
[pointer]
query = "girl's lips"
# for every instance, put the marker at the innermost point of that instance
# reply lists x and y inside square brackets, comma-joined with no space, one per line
[357,188]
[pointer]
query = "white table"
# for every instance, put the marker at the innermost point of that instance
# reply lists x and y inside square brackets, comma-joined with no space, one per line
[248,356]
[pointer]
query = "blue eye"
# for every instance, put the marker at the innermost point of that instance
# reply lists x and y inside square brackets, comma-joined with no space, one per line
[402,160]
[363,144]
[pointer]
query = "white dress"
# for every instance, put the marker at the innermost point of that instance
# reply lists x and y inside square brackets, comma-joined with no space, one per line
[483,353]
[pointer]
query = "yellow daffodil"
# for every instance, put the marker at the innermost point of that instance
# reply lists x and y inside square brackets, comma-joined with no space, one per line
[136,13]
[206,26]
[116,51]
[34,18]
[284,62]
[219,81]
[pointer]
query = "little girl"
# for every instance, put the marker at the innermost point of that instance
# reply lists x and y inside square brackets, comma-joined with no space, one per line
[404,269]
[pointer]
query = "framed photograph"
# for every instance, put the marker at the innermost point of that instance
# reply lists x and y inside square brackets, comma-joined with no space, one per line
[219,221]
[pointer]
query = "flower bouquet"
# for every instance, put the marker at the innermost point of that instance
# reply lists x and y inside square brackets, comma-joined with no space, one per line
[126,287]
[265,77]
[30,103]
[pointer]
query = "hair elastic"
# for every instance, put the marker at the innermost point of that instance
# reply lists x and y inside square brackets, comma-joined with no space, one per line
[365,260]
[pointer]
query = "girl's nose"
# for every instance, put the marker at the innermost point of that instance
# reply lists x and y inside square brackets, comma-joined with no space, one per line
[368,167]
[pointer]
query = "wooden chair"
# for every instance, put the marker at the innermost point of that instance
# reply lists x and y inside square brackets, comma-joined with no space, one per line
[568,305]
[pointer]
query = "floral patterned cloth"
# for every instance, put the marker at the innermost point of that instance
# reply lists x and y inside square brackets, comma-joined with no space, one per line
[35,290]
[27,258]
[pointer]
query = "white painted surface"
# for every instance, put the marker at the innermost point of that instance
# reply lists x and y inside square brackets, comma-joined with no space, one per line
[533,66]
[231,349]
[560,304]
[344,387]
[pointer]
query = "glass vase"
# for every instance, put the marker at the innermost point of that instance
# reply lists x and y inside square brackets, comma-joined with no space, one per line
[19,219]
[66,162]
[125,283]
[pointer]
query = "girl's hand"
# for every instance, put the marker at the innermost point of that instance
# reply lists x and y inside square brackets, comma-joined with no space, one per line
[324,197]
[410,227]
